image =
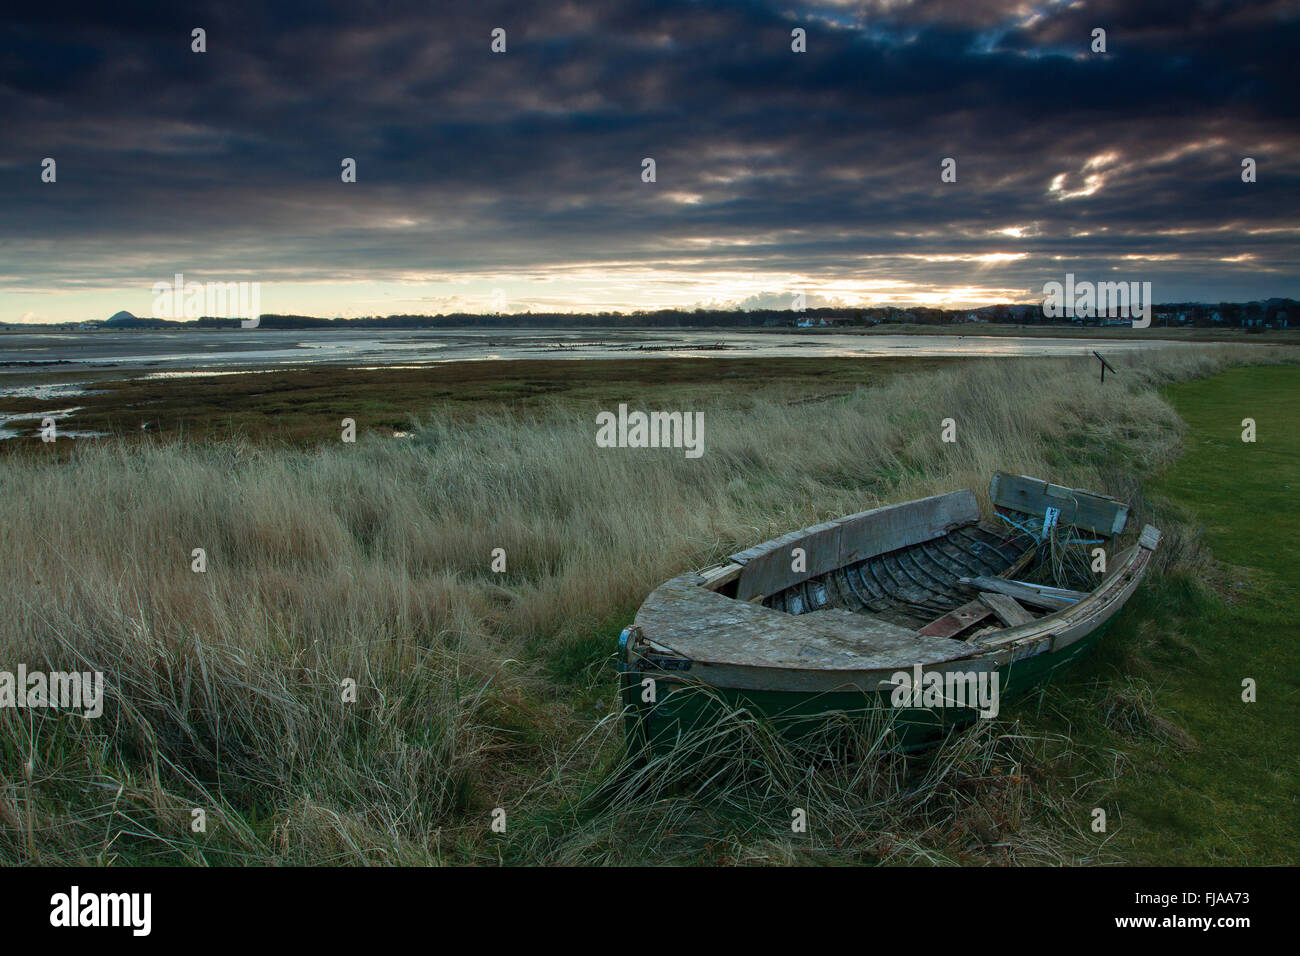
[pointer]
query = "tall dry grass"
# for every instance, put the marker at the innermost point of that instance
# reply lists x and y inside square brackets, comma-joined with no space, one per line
[371,562]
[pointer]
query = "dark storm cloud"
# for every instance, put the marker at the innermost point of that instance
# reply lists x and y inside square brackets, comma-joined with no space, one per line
[824,164]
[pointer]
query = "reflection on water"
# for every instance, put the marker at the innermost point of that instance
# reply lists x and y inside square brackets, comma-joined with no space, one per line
[45,392]
[34,431]
[242,350]
[68,433]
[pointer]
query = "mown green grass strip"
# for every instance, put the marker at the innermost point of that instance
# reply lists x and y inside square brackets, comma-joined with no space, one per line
[1233,797]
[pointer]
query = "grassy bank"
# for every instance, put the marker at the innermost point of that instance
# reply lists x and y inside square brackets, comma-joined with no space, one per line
[371,563]
[1209,778]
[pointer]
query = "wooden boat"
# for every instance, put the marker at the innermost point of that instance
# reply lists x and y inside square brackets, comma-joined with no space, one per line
[834,618]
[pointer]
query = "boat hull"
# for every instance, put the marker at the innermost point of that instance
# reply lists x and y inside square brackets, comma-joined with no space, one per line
[681,706]
[884,615]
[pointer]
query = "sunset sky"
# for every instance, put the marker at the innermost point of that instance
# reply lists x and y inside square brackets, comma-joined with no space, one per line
[777,172]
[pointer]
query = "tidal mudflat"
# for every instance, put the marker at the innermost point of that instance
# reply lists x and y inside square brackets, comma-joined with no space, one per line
[144,350]
[295,382]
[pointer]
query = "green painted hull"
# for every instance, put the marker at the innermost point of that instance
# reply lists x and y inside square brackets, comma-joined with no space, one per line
[681,707]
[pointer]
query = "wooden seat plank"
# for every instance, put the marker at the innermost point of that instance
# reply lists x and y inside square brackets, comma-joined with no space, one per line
[1038,595]
[958,620]
[1009,611]
[1082,509]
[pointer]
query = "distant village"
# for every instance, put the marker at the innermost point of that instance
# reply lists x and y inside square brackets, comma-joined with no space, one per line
[1269,314]
[1261,316]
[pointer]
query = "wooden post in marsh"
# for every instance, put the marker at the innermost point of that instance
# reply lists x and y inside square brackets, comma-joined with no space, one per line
[1104,365]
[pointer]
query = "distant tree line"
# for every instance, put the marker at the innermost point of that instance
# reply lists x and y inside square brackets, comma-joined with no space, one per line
[1254,316]
[1273,312]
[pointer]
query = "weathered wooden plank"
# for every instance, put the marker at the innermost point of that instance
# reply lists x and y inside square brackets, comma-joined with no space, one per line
[1083,509]
[956,621]
[1009,611]
[875,532]
[784,542]
[1036,594]
[772,566]
[708,627]
[780,566]
[720,574]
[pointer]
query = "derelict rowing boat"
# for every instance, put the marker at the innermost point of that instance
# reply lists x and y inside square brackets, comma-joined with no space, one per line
[825,620]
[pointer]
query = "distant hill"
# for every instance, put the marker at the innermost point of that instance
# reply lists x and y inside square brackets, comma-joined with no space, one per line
[125,320]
